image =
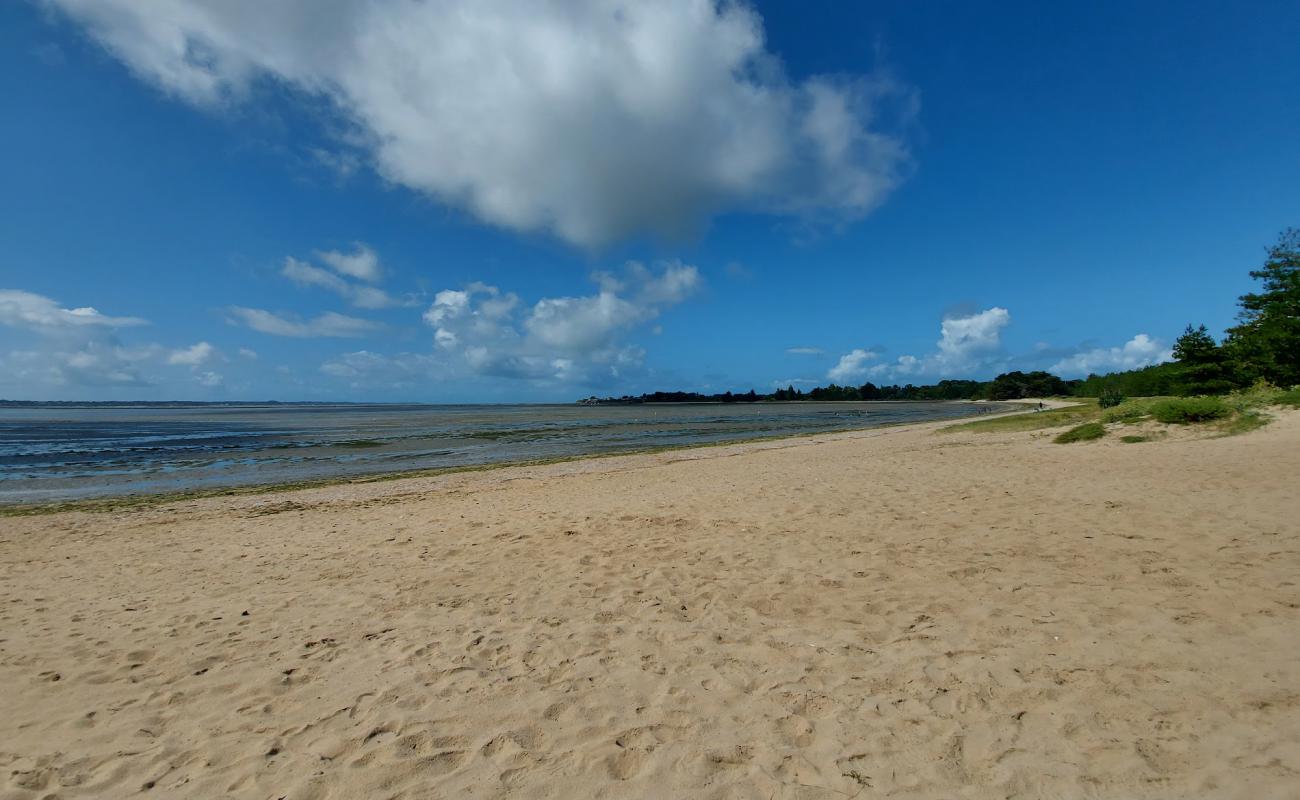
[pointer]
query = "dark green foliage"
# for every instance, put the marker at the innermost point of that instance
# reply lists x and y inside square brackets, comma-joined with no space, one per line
[1082,433]
[1109,397]
[1195,345]
[1017,385]
[1205,367]
[1153,381]
[943,390]
[1134,439]
[1187,410]
[1266,345]
[1291,398]
[834,392]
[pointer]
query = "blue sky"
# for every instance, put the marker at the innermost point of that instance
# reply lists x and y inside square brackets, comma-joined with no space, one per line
[526,201]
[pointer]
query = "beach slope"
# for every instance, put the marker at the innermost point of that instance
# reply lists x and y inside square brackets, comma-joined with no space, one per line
[893,613]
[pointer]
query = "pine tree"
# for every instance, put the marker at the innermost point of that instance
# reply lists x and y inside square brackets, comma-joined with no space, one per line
[1266,345]
[1204,367]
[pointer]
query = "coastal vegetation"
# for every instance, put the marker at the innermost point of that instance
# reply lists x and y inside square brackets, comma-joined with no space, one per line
[1240,411]
[1082,433]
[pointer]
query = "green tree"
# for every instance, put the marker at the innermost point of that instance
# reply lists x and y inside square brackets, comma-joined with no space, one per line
[1203,365]
[1015,385]
[1267,342]
[1195,345]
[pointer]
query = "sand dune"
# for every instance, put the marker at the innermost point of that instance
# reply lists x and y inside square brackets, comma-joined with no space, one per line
[891,613]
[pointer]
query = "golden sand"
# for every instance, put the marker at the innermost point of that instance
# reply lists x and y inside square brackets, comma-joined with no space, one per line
[892,613]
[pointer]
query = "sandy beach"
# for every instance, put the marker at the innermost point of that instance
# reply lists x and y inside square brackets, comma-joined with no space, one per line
[893,613]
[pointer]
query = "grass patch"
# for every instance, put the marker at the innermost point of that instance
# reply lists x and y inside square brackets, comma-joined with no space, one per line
[1245,422]
[1291,398]
[1086,432]
[1055,418]
[1189,410]
[1132,439]
[1129,412]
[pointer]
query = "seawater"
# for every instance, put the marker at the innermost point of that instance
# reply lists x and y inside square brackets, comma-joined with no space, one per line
[59,452]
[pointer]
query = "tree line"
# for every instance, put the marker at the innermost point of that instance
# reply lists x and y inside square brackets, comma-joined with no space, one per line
[1264,346]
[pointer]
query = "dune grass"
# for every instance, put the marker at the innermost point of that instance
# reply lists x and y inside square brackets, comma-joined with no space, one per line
[1239,412]
[1054,418]
[1189,410]
[1244,422]
[1087,432]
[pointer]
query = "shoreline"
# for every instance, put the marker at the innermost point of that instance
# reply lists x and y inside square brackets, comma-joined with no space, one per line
[889,611]
[128,501]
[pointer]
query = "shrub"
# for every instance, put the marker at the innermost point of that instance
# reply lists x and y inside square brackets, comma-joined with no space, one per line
[1109,397]
[1134,439]
[1290,398]
[1082,433]
[1188,410]
[1128,412]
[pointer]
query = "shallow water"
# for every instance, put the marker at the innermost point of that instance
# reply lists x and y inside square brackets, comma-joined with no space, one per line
[62,452]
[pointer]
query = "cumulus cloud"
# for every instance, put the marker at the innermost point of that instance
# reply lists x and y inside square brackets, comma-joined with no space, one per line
[852,365]
[967,344]
[1140,351]
[73,346]
[327,324]
[36,312]
[75,349]
[485,331]
[590,120]
[963,338]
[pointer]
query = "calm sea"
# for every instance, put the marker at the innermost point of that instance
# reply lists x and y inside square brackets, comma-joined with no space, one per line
[61,452]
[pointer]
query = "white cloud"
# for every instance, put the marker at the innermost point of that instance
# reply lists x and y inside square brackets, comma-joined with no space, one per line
[569,324]
[251,355]
[1140,351]
[194,355]
[327,324]
[967,344]
[361,263]
[36,312]
[963,338]
[77,349]
[852,365]
[806,351]
[60,364]
[370,297]
[483,330]
[591,120]
[448,304]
